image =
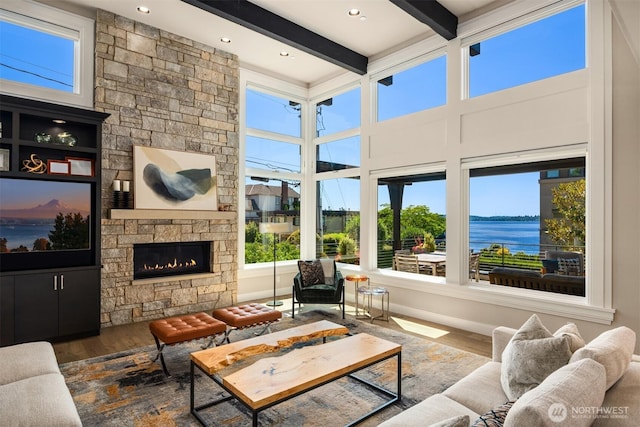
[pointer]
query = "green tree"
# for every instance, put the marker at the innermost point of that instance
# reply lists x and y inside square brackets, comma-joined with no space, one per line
[568,229]
[70,231]
[415,223]
[3,245]
[41,244]
[352,227]
[251,232]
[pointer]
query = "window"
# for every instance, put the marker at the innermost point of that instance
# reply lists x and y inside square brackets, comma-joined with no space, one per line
[272,167]
[542,49]
[339,213]
[262,153]
[412,221]
[337,155]
[338,113]
[271,200]
[337,145]
[419,88]
[273,113]
[526,221]
[42,59]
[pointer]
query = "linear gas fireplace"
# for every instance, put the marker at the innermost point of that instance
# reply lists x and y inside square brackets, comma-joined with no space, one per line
[151,260]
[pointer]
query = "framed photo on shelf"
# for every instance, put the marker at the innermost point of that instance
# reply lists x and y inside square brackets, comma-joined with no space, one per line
[4,159]
[58,167]
[82,167]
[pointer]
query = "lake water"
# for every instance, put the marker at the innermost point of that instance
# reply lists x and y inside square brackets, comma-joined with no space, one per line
[20,234]
[515,235]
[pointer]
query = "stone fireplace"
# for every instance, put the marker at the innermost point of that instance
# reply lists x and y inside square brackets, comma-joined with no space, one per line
[165,91]
[152,260]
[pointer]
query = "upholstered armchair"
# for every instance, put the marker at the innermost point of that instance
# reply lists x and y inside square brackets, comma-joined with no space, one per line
[318,282]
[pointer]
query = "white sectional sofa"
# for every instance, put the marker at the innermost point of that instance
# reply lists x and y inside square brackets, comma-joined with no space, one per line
[32,390]
[574,387]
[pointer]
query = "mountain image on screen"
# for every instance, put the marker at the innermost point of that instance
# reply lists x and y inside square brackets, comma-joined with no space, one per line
[54,225]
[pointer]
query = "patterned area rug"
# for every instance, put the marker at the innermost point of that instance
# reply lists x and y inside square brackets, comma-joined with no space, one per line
[129,389]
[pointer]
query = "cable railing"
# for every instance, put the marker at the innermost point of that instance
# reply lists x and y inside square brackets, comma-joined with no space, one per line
[492,254]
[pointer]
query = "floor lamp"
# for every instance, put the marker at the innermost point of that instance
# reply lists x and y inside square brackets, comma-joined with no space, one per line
[275,228]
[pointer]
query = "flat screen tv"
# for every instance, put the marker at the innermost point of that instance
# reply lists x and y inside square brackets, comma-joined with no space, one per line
[45,224]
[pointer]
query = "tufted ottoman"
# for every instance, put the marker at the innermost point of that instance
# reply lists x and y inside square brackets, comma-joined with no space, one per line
[247,316]
[179,329]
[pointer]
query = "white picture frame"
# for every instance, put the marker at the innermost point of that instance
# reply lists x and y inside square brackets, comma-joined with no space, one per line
[58,167]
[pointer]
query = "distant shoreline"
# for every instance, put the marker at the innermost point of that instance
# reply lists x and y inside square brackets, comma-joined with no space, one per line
[521,218]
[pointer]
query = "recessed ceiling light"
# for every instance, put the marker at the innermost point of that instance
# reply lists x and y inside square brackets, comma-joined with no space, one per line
[143,9]
[284,53]
[225,39]
[363,18]
[354,12]
[59,121]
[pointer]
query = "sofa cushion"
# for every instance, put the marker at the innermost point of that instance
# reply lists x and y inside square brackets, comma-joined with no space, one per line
[570,330]
[494,417]
[457,421]
[431,410]
[620,404]
[532,354]
[613,349]
[480,390]
[43,400]
[22,361]
[311,272]
[576,385]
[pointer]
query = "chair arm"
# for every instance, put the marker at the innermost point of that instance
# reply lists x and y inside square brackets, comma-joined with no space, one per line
[501,337]
[297,282]
[338,278]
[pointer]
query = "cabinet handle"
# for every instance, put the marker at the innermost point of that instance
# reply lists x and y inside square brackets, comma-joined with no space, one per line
[55,283]
[62,282]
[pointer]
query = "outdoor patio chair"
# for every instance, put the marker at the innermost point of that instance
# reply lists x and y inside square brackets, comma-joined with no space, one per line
[474,266]
[408,263]
[318,282]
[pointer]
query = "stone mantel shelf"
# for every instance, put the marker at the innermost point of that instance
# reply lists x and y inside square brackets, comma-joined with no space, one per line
[169,214]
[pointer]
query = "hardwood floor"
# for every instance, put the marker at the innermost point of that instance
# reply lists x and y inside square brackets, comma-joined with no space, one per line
[119,338]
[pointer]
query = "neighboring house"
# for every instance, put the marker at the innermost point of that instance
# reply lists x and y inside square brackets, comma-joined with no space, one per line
[265,202]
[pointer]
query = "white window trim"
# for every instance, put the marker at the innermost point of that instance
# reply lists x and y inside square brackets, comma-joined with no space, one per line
[38,16]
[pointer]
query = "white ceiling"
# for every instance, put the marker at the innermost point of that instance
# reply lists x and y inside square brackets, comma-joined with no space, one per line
[385,29]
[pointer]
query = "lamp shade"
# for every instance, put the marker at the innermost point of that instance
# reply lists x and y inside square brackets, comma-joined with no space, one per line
[275,227]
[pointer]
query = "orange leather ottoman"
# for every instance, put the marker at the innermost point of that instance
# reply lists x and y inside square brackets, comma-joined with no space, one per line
[247,316]
[179,329]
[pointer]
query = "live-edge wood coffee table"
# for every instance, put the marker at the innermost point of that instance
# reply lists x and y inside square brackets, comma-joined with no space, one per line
[272,380]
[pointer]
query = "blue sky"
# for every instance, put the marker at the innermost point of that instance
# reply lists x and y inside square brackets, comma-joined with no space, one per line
[545,48]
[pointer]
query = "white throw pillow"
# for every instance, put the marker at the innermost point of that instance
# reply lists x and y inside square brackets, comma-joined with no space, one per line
[562,398]
[613,349]
[570,330]
[532,354]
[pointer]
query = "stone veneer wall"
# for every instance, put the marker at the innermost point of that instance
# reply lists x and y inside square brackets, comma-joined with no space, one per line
[164,91]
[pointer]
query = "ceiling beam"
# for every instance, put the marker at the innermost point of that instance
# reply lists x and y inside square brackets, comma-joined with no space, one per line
[432,13]
[249,15]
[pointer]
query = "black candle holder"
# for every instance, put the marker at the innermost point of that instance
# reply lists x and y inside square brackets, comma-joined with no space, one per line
[117,199]
[126,200]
